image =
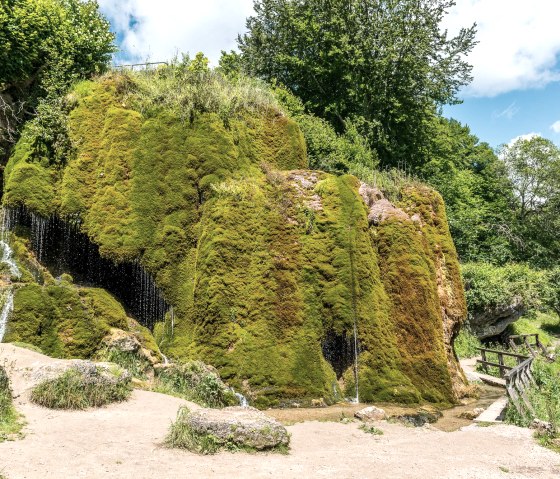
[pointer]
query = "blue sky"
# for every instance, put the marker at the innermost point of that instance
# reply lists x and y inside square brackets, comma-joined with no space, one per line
[516,67]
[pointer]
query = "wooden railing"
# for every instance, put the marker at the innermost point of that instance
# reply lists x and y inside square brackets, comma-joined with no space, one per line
[519,340]
[499,362]
[140,66]
[518,380]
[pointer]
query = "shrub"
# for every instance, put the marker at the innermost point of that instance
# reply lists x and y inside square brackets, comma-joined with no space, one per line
[545,399]
[81,387]
[197,382]
[9,423]
[488,286]
[371,430]
[182,436]
[466,344]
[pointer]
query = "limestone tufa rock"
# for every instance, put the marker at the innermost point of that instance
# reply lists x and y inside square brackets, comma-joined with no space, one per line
[542,427]
[243,426]
[370,413]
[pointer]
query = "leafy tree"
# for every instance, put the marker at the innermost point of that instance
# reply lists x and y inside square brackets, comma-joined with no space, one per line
[45,45]
[385,64]
[477,192]
[533,166]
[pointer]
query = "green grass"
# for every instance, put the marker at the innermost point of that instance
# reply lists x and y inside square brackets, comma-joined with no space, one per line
[10,424]
[466,344]
[546,325]
[196,382]
[135,364]
[74,390]
[545,400]
[371,430]
[182,436]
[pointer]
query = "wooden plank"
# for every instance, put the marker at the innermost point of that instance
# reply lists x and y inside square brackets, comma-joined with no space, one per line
[496,365]
[505,353]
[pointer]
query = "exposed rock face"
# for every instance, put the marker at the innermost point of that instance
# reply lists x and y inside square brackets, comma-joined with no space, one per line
[247,427]
[370,413]
[494,321]
[295,284]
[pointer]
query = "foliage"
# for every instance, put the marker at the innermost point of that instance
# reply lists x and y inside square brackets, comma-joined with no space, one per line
[182,436]
[194,381]
[544,397]
[44,47]
[9,424]
[383,63]
[371,430]
[75,389]
[466,344]
[489,286]
[533,166]
[189,87]
[546,325]
[477,193]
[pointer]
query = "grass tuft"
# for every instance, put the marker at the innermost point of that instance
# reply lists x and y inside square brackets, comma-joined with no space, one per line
[371,430]
[76,389]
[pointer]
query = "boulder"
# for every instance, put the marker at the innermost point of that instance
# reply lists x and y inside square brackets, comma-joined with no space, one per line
[472,414]
[370,413]
[246,427]
[542,427]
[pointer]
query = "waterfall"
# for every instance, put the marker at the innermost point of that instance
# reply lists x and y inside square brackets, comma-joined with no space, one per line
[242,399]
[7,307]
[61,246]
[7,253]
[357,398]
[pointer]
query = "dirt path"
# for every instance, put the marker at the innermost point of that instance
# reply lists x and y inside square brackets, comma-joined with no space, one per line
[123,441]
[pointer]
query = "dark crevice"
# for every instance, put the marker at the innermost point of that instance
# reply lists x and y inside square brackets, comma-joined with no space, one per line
[61,247]
[338,350]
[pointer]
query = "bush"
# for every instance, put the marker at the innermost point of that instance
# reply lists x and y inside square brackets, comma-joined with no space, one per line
[466,344]
[81,387]
[182,436]
[545,399]
[9,423]
[197,382]
[488,286]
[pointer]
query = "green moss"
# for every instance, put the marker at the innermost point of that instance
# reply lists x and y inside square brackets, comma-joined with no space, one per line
[264,267]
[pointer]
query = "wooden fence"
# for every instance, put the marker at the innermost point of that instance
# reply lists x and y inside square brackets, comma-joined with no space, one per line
[519,340]
[518,378]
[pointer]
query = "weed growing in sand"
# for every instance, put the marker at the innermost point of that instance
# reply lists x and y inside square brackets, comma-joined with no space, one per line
[371,430]
[9,418]
[76,389]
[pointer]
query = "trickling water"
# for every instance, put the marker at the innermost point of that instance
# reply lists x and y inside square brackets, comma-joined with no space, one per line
[7,253]
[242,399]
[7,308]
[357,398]
[61,246]
[165,360]
[172,314]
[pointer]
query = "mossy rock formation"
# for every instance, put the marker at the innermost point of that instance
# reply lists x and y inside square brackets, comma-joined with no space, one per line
[269,267]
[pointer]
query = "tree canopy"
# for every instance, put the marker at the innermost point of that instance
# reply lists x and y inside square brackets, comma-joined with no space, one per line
[45,45]
[384,64]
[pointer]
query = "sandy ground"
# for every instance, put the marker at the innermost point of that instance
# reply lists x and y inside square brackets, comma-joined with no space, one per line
[124,441]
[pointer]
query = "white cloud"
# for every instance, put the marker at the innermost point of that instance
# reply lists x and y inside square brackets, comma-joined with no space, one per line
[519,42]
[555,127]
[166,27]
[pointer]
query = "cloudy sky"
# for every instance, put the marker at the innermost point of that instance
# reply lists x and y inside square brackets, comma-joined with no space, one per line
[516,87]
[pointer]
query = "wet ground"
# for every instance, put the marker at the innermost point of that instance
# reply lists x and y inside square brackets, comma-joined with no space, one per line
[449,421]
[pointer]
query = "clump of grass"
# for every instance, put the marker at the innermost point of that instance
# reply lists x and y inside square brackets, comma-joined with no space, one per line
[545,400]
[197,382]
[189,87]
[371,430]
[466,344]
[9,418]
[135,364]
[82,388]
[182,436]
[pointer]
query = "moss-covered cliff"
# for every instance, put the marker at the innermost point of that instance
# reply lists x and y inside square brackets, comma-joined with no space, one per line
[272,270]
